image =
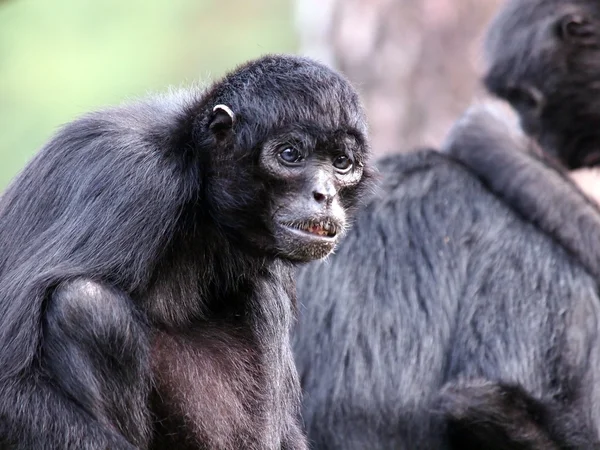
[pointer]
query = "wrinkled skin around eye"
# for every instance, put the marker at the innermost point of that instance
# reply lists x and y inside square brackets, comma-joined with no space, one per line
[291,155]
[342,163]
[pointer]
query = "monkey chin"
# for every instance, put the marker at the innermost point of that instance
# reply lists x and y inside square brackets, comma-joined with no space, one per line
[305,241]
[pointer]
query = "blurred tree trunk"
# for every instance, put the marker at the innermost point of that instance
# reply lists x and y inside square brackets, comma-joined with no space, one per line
[416,62]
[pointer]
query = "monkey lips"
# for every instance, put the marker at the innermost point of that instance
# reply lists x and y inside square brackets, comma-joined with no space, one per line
[323,228]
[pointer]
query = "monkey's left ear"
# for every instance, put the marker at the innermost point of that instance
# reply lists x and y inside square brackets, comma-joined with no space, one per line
[221,120]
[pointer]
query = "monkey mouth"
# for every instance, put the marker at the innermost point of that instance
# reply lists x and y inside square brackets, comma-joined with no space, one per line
[322,228]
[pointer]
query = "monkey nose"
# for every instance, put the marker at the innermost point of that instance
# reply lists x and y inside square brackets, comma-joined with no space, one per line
[319,197]
[324,195]
[323,190]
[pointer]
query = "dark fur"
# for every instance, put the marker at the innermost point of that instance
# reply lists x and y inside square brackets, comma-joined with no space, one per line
[544,58]
[448,319]
[138,266]
[488,415]
[540,191]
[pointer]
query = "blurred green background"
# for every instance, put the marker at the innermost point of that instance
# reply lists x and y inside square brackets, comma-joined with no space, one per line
[61,58]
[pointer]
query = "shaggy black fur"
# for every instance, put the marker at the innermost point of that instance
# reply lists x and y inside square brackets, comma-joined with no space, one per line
[451,317]
[146,262]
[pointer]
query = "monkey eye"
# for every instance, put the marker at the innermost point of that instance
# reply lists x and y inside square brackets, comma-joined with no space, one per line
[343,163]
[291,155]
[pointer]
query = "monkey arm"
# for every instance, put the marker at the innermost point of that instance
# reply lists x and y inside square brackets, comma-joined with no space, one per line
[542,194]
[92,376]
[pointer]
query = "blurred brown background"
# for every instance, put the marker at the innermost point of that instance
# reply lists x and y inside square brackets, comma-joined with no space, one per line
[416,62]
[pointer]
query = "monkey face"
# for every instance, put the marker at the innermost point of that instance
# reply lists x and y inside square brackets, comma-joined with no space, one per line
[313,175]
[289,158]
[291,196]
[544,60]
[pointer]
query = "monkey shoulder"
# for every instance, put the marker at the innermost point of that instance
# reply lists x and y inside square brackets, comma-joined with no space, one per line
[533,187]
[433,183]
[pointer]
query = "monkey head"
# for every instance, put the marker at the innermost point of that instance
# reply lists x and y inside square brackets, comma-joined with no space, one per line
[287,156]
[544,58]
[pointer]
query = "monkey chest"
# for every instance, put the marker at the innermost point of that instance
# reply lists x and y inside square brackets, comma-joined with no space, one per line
[208,392]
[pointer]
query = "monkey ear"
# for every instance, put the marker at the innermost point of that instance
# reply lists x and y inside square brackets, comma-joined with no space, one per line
[576,29]
[221,120]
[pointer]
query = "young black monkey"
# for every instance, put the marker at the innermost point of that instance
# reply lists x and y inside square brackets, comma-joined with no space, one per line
[543,59]
[481,413]
[147,256]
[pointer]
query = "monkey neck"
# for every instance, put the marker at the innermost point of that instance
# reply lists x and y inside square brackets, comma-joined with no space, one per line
[203,275]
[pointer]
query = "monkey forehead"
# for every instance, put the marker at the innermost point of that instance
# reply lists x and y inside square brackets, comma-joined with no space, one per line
[283,89]
[313,138]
